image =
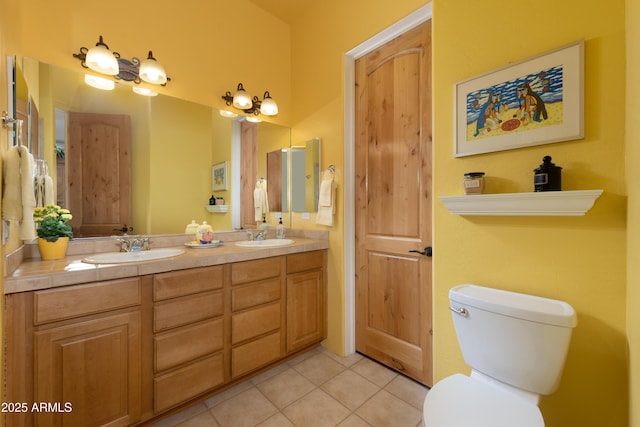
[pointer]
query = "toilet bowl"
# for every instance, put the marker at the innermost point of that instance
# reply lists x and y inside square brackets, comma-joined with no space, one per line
[516,346]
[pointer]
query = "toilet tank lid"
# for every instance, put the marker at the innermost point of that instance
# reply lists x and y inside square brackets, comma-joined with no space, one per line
[520,306]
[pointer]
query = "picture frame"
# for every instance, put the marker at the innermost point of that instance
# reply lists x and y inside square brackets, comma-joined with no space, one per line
[536,101]
[219,177]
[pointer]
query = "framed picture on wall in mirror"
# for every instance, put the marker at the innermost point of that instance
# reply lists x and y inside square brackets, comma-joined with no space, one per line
[532,102]
[219,177]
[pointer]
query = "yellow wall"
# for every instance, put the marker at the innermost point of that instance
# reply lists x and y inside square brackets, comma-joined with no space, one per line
[581,260]
[633,213]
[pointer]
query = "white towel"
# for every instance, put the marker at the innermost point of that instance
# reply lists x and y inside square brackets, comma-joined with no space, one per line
[326,201]
[48,190]
[258,203]
[12,194]
[28,226]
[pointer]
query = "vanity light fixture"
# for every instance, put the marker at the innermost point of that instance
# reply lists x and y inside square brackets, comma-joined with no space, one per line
[102,60]
[227,113]
[99,82]
[253,119]
[251,105]
[144,91]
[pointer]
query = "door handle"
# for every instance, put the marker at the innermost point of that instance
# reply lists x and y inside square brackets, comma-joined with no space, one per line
[428,251]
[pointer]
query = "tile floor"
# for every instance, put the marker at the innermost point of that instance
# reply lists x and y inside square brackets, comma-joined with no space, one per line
[316,389]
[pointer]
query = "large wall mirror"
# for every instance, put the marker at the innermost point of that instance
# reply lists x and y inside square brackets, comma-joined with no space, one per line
[159,151]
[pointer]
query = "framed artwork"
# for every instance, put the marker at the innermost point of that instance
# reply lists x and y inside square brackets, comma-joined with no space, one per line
[533,102]
[219,177]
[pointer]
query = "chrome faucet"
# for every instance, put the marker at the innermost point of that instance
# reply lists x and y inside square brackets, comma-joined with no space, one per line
[133,243]
[260,235]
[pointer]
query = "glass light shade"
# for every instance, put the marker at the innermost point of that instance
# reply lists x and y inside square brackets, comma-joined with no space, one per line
[253,119]
[144,91]
[269,107]
[152,72]
[99,82]
[242,99]
[101,60]
[227,113]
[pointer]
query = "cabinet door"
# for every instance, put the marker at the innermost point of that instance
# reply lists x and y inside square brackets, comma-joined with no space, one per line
[91,370]
[305,309]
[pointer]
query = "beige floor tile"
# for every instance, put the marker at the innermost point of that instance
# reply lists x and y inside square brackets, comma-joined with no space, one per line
[180,417]
[244,410]
[306,355]
[316,409]
[278,420]
[347,361]
[319,368]
[374,372]
[354,421]
[384,409]
[285,388]
[408,390]
[270,373]
[228,394]
[350,389]
[205,419]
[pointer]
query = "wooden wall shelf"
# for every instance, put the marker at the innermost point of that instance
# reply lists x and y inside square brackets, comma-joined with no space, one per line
[545,203]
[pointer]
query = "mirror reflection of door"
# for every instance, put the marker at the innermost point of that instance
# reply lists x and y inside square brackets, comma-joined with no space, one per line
[99,177]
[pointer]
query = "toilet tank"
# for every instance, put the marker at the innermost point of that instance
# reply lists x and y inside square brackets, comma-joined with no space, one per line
[518,339]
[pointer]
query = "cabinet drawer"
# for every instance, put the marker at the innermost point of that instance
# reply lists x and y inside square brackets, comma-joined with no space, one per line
[255,354]
[185,310]
[304,261]
[255,322]
[187,282]
[246,296]
[185,383]
[259,269]
[75,301]
[187,343]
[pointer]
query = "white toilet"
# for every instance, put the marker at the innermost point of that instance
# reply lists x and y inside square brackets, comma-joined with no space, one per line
[516,345]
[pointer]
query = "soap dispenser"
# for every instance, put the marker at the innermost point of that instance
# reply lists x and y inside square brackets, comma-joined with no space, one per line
[264,224]
[280,230]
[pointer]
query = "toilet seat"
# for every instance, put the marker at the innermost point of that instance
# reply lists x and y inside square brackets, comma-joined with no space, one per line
[461,401]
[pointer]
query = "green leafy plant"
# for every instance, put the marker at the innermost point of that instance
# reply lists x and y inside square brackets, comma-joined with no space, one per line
[51,222]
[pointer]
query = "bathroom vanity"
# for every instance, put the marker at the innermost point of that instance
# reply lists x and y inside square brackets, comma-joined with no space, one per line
[124,344]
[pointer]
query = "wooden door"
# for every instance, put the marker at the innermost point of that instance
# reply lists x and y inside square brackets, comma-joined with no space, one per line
[393,204]
[248,168]
[99,184]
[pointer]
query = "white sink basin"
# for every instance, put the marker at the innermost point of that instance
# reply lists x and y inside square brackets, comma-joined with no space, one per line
[264,243]
[120,257]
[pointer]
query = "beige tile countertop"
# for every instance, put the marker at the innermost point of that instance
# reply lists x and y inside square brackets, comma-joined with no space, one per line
[26,272]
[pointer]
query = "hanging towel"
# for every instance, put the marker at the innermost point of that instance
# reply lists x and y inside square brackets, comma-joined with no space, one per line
[12,194]
[28,226]
[48,190]
[260,199]
[326,200]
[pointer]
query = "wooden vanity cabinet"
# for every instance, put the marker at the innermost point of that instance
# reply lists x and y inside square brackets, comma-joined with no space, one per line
[189,334]
[257,315]
[86,348]
[122,352]
[306,299]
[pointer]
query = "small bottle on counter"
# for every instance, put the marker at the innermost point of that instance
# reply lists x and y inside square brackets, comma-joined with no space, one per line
[280,230]
[473,183]
[264,224]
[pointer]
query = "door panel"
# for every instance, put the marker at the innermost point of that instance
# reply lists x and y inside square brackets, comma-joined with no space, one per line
[99,173]
[393,204]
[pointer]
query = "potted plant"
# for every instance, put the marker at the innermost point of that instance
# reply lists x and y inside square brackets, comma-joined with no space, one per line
[53,231]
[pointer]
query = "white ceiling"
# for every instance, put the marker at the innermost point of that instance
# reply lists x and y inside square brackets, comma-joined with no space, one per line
[286,10]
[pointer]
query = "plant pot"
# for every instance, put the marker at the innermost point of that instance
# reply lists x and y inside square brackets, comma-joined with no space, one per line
[53,250]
